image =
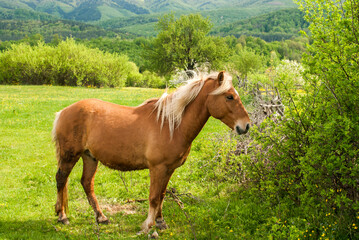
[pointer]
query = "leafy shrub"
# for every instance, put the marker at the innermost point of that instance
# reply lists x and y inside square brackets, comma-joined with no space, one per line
[146,79]
[152,80]
[66,64]
[306,166]
[134,80]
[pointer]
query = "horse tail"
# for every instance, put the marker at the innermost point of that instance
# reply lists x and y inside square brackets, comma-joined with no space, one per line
[54,136]
[53,132]
[57,146]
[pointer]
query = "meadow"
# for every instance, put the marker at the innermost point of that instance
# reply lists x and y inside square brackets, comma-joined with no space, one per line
[28,168]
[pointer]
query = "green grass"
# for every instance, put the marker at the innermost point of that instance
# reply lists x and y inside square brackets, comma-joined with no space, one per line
[28,168]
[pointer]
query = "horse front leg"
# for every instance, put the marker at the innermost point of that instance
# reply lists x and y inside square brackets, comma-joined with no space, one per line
[160,175]
[160,222]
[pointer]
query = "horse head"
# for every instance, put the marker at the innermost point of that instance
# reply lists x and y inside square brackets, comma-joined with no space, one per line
[225,104]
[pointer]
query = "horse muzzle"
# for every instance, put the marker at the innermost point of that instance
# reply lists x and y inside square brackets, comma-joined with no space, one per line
[240,130]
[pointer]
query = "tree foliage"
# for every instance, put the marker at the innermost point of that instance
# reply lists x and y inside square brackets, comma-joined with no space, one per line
[132,48]
[182,43]
[18,29]
[306,165]
[245,61]
[67,63]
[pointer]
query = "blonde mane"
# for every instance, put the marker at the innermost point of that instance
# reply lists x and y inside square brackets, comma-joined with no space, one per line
[170,107]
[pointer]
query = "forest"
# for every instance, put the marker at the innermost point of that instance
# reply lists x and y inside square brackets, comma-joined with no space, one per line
[294,175]
[47,34]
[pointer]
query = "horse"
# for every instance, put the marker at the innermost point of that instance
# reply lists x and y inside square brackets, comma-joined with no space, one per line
[156,135]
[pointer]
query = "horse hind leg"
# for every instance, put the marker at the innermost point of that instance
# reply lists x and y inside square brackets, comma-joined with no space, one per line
[65,166]
[87,181]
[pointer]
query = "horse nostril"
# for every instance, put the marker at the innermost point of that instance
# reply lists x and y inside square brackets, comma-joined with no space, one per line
[241,131]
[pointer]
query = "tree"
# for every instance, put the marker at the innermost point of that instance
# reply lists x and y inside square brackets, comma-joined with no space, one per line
[307,164]
[245,61]
[182,44]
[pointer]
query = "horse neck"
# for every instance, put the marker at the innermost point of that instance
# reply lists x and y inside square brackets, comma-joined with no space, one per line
[195,116]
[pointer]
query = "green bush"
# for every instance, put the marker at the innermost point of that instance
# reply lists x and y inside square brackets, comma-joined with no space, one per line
[66,64]
[306,166]
[146,79]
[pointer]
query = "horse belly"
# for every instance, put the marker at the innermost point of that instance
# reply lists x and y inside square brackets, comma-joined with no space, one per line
[120,156]
[125,163]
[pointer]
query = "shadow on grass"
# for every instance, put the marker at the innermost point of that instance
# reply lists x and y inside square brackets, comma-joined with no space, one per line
[31,229]
[51,229]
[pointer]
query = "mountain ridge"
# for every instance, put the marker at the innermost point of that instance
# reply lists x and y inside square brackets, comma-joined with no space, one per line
[95,10]
[53,17]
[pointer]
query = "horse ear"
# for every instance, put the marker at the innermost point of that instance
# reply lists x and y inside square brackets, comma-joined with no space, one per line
[220,77]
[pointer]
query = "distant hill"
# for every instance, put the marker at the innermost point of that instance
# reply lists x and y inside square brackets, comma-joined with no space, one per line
[261,18]
[94,10]
[144,24]
[274,26]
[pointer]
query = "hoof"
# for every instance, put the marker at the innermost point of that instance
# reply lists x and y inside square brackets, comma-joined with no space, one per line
[154,235]
[103,220]
[161,224]
[144,229]
[141,233]
[64,221]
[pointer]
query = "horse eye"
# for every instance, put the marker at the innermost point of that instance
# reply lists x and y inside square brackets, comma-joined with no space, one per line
[230,97]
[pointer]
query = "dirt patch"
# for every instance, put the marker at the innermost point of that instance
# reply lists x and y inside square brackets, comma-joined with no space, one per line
[126,209]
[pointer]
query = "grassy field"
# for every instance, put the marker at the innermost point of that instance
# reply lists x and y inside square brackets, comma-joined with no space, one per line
[28,167]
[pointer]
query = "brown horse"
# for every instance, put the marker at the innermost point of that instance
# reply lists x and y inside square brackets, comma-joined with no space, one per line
[156,135]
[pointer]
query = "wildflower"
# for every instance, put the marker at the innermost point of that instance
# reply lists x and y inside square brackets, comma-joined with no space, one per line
[231,230]
[323,234]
